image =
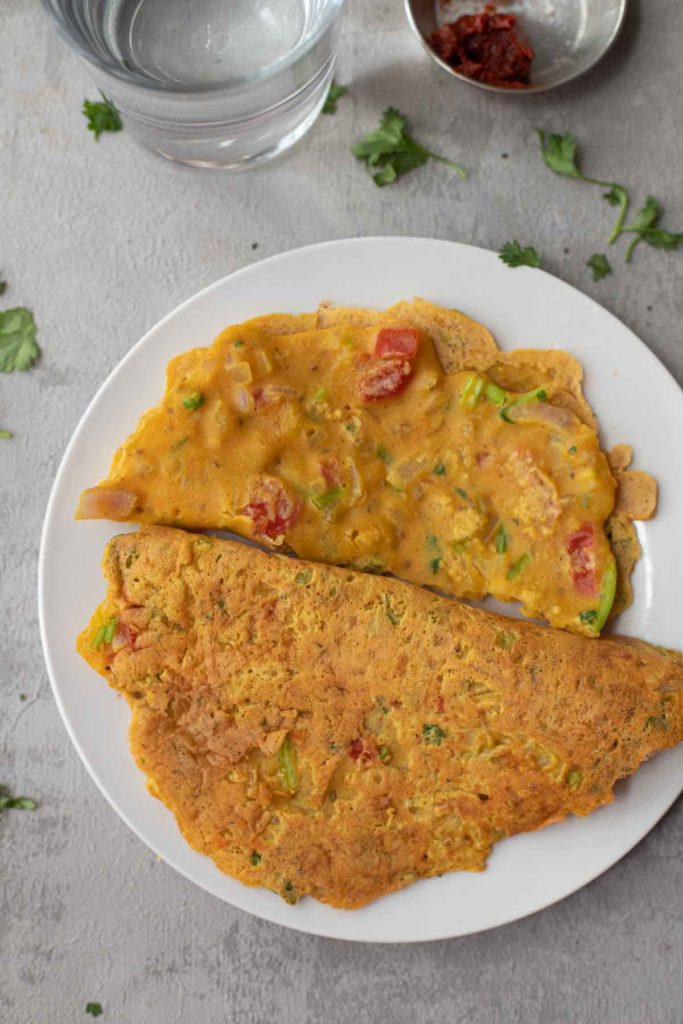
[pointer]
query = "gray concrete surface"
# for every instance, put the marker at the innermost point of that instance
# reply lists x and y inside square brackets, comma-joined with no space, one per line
[100,241]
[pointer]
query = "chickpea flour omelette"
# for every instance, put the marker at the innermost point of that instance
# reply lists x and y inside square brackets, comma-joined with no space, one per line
[399,442]
[324,732]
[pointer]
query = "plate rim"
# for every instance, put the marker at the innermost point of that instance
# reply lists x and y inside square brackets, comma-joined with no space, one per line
[238,903]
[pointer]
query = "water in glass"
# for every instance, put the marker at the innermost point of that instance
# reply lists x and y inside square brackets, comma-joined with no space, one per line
[210,82]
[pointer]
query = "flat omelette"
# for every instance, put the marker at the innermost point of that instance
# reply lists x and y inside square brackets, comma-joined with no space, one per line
[330,733]
[401,442]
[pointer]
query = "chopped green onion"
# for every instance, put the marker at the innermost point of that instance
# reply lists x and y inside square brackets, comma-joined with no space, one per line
[439,469]
[472,389]
[505,640]
[99,636]
[435,565]
[319,394]
[287,760]
[574,779]
[501,540]
[572,450]
[368,563]
[537,395]
[239,344]
[105,634]
[459,546]
[588,617]
[391,613]
[384,455]
[433,734]
[518,566]
[494,393]
[607,595]
[431,541]
[322,501]
[462,493]
[255,858]
[194,401]
[289,894]
[384,755]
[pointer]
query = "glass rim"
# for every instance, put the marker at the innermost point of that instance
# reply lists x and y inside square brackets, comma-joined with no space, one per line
[133,78]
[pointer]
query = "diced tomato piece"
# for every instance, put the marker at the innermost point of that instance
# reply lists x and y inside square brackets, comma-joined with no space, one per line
[579,549]
[384,378]
[361,750]
[584,537]
[125,636]
[272,510]
[397,341]
[330,471]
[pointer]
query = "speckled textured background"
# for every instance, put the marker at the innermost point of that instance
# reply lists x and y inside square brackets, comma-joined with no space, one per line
[102,240]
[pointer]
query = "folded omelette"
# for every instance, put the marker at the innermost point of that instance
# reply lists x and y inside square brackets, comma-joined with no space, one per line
[401,442]
[331,733]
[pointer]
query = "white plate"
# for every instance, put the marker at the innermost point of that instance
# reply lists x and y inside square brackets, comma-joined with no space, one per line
[636,400]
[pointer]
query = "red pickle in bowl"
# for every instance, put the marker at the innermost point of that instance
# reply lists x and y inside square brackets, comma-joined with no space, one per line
[486,47]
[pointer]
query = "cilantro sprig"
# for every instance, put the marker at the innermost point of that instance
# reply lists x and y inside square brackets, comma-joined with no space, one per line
[560,154]
[515,255]
[102,116]
[334,94]
[599,265]
[391,152]
[18,346]
[644,229]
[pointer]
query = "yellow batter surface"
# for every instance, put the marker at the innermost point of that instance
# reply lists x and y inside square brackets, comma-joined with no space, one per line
[401,442]
[330,733]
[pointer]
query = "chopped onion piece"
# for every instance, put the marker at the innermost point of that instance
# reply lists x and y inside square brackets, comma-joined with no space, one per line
[240,372]
[242,400]
[106,503]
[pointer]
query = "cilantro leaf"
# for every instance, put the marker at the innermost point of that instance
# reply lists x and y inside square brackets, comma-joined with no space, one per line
[647,216]
[19,803]
[18,347]
[94,1009]
[660,239]
[433,734]
[102,116]
[600,266]
[644,227]
[391,152]
[559,153]
[514,255]
[613,197]
[335,93]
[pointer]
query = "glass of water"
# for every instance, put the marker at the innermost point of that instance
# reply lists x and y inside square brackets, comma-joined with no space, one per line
[211,83]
